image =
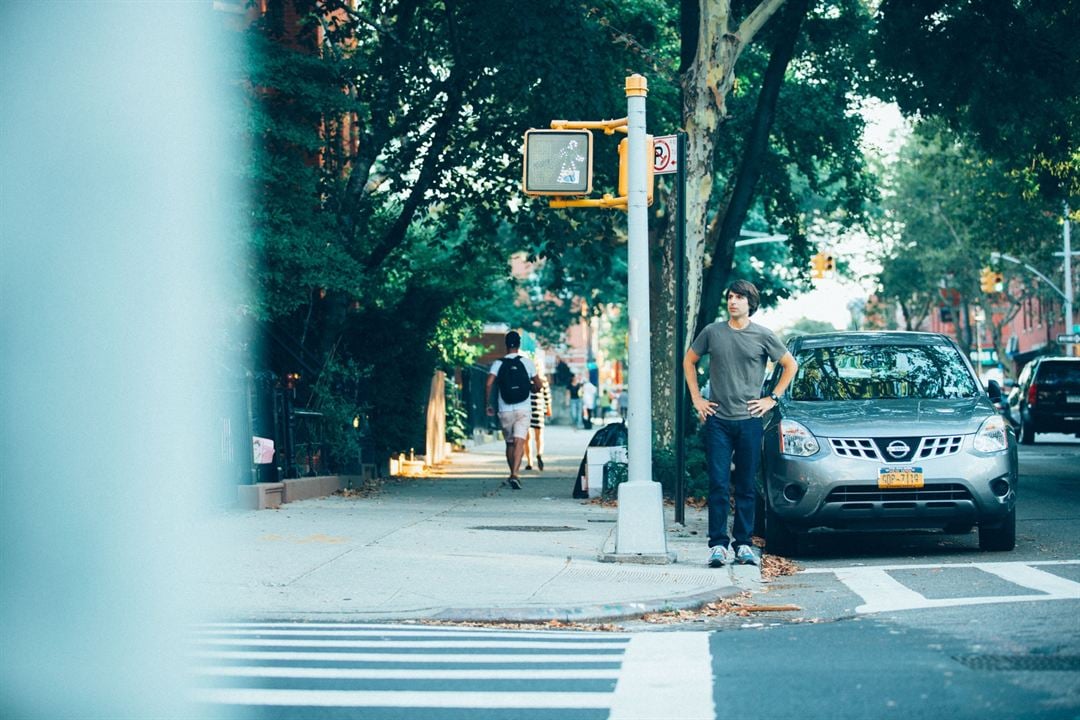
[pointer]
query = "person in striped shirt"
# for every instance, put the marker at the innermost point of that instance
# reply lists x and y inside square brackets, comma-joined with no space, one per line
[541,409]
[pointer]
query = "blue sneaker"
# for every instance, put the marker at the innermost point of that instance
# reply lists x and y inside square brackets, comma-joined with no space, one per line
[745,555]
[720,555]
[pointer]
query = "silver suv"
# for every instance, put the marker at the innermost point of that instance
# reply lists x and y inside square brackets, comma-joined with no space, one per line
[886,430]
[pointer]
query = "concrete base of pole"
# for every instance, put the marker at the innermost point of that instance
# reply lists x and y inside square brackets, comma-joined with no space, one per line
[640,528]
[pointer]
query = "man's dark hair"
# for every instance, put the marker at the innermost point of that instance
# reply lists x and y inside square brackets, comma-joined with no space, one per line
[513,339]
[748,291]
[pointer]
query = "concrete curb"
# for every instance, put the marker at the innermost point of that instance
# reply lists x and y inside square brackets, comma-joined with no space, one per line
[586,613]
[600,613]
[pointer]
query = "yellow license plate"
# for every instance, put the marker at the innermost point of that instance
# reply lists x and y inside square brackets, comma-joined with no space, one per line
[905,477]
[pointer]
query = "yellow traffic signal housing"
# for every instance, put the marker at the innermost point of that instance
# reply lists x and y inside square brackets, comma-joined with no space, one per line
[558,162]
[987,280]
[818,263]
[624,168]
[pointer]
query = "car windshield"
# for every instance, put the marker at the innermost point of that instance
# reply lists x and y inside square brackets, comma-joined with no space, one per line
[881,372]
[1059,373]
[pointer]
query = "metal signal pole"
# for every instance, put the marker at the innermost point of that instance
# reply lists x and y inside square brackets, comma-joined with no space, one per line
[639,534]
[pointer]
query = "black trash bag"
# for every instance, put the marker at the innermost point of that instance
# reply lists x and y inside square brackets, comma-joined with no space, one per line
[607,436]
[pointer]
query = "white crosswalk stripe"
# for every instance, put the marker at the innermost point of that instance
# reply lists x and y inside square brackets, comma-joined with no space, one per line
[881,591]
[298,670]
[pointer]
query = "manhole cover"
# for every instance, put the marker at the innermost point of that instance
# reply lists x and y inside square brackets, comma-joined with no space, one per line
[526,528]
[1022,663]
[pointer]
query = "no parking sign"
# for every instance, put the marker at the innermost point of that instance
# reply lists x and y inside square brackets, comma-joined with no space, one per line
[665,154]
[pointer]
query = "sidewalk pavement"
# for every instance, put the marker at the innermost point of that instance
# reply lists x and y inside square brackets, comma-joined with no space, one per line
[457,545]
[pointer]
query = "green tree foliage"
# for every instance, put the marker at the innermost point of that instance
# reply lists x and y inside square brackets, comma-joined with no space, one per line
[788,144]
[1007,72]
[954,206]
[805,326]
[384,141]
[787,159]
[385,169]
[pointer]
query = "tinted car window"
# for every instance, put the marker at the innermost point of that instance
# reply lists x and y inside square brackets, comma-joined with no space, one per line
[881,372]
[1052,373]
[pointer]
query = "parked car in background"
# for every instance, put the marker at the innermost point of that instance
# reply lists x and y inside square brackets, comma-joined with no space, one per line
[1047,397]
[887,431]
[1002,404]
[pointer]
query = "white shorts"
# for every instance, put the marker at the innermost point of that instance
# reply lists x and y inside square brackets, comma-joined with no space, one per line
[515,424]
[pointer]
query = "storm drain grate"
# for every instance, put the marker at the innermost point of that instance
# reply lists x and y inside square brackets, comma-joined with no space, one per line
[526,528]
[1022,663]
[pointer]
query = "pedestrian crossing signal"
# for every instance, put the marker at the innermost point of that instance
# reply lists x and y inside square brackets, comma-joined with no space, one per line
[558,162]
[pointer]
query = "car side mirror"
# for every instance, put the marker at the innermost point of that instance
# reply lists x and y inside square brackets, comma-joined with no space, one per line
[993,390]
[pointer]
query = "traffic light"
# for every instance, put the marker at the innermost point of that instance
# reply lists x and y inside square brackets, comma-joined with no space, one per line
[830,263]
[558,162]
[818,262]
[624,168]
[987,280]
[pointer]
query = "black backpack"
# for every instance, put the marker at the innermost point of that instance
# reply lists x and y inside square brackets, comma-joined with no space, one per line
[515,385]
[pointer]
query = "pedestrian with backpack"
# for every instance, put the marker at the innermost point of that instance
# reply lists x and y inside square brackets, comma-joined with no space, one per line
[515,378]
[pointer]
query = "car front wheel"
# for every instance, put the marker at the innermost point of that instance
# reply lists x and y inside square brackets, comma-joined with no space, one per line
[1001,538]
[779,538]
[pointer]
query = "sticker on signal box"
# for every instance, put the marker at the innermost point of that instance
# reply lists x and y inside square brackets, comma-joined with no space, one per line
[900,477]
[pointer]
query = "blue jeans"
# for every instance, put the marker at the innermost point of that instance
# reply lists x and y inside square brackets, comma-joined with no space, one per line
[728,441]
[575,411]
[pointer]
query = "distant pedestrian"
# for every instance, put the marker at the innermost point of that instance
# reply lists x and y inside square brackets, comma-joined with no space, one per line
[541,410]
[738,351]
[624,403]
[603,405]
[588,403]
[575,400]
[562,372]
[515,377]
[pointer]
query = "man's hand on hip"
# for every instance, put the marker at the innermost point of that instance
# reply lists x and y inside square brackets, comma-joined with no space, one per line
[704,408]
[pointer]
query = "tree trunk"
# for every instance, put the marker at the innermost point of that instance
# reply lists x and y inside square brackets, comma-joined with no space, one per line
[725,230]
[709,53]
[705,85]
[963,327]
[663,316]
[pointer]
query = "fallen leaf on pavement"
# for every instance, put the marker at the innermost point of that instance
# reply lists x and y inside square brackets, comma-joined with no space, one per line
[738,605]
[369,488]
[546,625]
[774,566]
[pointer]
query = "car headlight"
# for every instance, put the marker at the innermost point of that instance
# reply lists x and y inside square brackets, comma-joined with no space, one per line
[992,436]
[795,439]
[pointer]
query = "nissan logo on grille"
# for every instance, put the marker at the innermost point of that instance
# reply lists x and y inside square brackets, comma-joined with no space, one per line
[898,448]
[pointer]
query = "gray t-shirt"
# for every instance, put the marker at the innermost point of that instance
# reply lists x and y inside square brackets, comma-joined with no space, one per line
[737,360]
